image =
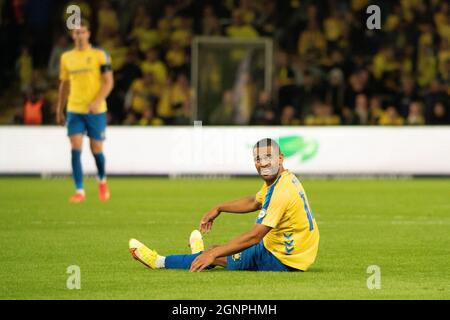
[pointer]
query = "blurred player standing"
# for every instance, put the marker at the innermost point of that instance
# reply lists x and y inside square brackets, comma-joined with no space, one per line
[86,81]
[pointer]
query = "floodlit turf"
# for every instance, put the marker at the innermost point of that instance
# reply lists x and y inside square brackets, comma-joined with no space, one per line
[401,226]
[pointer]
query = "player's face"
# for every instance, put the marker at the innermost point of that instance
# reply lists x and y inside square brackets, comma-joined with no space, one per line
[267,162]
[81,36]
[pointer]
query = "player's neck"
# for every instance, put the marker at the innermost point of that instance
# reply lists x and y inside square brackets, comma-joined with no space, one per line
[271,181]
[83,46]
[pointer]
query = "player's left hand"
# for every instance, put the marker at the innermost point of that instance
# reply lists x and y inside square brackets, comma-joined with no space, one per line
[202,261]
[93,106]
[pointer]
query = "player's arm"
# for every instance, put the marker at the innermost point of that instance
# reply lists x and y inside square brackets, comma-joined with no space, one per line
[244,205]
[63,94]
[105,89]
[238,244]
[275,207]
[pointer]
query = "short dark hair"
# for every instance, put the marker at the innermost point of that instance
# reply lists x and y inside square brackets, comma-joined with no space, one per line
[85,23]
[267,142]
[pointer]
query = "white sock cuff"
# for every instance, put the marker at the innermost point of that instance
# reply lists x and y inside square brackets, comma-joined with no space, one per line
[160,262]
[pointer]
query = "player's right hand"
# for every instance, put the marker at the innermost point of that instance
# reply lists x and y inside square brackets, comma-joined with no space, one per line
[208,220]
[60,119]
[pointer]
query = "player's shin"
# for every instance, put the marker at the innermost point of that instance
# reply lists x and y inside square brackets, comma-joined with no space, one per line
[77,170]
[180,261]
[100,163]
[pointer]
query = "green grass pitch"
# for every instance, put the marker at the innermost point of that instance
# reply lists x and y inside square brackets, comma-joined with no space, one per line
[402,226]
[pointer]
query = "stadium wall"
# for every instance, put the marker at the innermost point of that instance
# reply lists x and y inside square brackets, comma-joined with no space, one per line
[228,150]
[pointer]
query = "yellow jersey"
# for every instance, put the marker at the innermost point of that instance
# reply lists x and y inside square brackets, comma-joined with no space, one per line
[83,68]
[294,235]
[157,68]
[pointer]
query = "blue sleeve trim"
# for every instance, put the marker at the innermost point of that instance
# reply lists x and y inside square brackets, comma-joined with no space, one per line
[107,56]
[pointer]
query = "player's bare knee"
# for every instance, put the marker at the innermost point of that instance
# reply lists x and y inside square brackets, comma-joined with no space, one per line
[96,146]
[76,142]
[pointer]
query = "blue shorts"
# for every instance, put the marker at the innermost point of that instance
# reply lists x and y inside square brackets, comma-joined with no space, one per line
[92,124]
[255,258]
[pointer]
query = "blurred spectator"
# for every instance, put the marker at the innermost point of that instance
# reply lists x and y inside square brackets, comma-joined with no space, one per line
[51,98]
[334,26]
[124,77]
[362,109]
[384,62]
[25,69]
[61,45]
[406,65]
[415,115]
[38,14]
[375,110]
[247,9]
[322,114]
[130,119]
[439,115]
[224,114]
[177,58]
[406,95]
[39,81]
[444,60]
[183,33]
[426,66]
[441,19]
[168,22]
[153,65]
[263,113]
[357,85]
[335,90]
[348,117]
[143,32]
[267,22]
[308,92]
[434,94]
[245,95]
[35,109]
[164,108]
[118,52]
[107,20]
[285,81]
[210,23]
[142,95]
[445,76]
[391,117]
[288,116]
[148,118]
[239,28]
[312,42]
[129,71]
[181,98]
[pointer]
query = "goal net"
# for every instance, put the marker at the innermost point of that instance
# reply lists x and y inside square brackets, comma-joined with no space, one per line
[228,74]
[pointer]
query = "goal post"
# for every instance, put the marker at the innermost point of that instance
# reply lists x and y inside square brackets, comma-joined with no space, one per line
[227,76]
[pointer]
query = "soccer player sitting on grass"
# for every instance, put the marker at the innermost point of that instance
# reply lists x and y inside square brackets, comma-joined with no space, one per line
[86,81]
[284,238]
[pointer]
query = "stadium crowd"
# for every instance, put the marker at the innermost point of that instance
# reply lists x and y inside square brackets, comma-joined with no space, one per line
[330,69]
